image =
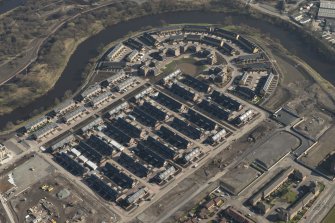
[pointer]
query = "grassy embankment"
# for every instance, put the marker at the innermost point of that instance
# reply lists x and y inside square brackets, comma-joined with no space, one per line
[53,57]
[15,94]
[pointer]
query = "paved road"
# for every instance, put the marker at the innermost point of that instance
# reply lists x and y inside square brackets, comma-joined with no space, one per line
[8,212]
[220,174]
[322,205]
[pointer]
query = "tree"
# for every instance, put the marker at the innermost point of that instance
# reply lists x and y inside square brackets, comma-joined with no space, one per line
[281,5]
[9,126]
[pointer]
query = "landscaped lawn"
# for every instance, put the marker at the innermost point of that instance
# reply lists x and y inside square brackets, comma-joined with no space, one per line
[174,65]
[289,197]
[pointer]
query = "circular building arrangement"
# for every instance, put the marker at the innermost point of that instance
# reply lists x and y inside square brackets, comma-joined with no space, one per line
[174,97]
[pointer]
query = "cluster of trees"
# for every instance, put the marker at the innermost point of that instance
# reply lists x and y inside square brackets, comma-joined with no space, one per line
[53,56]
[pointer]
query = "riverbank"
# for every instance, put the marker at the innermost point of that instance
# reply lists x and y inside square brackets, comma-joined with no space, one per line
[71,78]
[22,93]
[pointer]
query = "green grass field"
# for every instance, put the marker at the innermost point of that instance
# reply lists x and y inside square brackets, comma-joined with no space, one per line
[330,218]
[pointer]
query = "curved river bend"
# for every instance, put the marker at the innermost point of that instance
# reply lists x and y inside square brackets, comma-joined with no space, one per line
[8,5]
[71,77]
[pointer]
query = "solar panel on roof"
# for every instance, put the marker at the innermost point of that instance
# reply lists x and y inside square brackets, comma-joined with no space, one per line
[101,188]
[100,145]
[70,164]
[149,156]
[117,176]
[130,164]
[89,152]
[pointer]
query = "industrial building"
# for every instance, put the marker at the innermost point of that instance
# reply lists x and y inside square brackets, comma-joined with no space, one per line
[326,10]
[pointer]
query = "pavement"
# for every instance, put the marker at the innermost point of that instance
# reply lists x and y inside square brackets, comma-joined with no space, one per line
[220,174]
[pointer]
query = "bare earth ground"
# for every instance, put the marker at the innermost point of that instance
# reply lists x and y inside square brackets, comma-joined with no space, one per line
[325,146]
[315,124]
[192,183]
[67,208]
[239,178]
[297,89]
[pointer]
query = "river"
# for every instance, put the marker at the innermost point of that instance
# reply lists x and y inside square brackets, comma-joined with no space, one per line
[71,77]
[8,5]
